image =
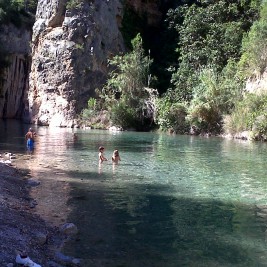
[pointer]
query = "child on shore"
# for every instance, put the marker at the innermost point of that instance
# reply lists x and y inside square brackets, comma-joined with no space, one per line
[101,156]
[116,157]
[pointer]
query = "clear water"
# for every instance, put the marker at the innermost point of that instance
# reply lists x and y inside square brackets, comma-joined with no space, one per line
[172,200]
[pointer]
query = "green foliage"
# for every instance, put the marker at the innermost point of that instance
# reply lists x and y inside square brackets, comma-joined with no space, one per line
[72,4]
[210,38]
[157,37]
[204,109]
[91,109]
[213,97]
[17,12]
[254,47]
[259,130]
[171,116]
[77,4]
[128,86]
[210,34]
[124,116]
[92,103]
[93,116]
[30,5]
[79,47]
[250,114]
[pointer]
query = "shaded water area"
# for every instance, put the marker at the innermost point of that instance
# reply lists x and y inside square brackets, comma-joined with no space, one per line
[172,201]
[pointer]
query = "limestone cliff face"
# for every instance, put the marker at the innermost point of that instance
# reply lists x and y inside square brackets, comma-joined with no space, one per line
[70,48]
[14,79]
[257,85]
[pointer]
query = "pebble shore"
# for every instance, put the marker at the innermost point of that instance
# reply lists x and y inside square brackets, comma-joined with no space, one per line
[23,230]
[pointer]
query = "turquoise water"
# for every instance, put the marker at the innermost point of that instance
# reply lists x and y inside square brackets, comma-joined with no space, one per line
[172,200]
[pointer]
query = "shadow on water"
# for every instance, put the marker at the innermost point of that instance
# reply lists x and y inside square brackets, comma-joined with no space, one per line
[12,132]
[129,224]
[174,201]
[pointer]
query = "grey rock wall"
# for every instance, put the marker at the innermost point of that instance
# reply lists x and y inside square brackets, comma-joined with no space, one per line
[14,79]
[70,48]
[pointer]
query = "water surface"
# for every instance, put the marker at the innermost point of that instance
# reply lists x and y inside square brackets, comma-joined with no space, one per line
[172,200]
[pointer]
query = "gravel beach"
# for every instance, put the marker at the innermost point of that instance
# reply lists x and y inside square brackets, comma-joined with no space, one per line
[20,228]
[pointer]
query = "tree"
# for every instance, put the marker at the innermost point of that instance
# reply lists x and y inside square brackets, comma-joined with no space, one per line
[213,97]
[210,33]
[253,61]
[16,11]
[127,93]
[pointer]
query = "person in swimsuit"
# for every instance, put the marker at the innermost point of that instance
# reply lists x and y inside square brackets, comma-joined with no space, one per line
[116,157]
[101,156]
[30,135]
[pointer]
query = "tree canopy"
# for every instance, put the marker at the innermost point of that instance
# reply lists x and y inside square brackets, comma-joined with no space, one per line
[210,33]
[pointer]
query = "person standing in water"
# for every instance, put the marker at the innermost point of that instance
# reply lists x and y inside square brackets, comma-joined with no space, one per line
[30,135]
[101,156]
[116,157]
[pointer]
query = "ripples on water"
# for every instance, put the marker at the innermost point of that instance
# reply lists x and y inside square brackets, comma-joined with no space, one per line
[172,200]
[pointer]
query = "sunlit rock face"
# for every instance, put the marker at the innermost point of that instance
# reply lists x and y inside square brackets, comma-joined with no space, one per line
[257,85]
[14,78]
[70,49]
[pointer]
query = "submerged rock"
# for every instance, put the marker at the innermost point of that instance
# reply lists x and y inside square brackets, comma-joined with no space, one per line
[63,259]
[32,182]
[69,229]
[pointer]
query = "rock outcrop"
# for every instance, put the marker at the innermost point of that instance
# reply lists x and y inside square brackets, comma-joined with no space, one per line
[14,79]
[257,85]
[72,41]
[56,67]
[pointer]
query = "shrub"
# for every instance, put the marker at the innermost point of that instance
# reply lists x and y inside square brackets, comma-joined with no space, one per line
[249,115]
[213,97]
[171,116]
[73,4]
[123,115]
[91,109]
[128,88]
[254,49]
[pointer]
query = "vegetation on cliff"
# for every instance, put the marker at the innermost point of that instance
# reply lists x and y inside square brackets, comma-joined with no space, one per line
[206,80]
[250,113]
[202,53]
[17,12]
[127,95]
[214,47]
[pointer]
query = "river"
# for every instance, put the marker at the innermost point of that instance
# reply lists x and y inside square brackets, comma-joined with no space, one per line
[172,200]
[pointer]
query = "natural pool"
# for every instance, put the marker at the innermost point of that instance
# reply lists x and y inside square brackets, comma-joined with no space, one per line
[172,201]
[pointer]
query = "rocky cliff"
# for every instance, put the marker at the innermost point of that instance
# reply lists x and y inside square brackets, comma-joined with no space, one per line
[56,67]
[72,41]
[14,79]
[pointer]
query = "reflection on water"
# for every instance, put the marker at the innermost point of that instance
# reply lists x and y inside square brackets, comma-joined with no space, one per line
[172,200]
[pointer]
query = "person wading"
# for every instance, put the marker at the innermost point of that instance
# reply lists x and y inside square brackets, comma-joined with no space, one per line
[30,135]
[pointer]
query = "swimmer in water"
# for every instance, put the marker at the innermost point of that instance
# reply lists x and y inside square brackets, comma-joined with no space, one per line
[101,156]
[116,157]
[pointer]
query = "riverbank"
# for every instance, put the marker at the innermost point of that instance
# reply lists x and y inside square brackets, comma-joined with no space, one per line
[20,228]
